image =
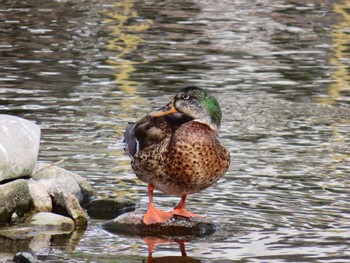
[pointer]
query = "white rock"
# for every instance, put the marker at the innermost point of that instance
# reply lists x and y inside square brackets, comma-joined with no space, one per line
[19,146]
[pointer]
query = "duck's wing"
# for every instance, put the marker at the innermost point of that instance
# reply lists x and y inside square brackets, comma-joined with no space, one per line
[130,140]
[151,130]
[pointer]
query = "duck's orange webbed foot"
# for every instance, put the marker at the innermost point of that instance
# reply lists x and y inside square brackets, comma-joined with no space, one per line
[180,209]
[184,213]
[154,215]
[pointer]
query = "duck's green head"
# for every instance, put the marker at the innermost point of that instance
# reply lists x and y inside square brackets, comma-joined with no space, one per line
[195,103]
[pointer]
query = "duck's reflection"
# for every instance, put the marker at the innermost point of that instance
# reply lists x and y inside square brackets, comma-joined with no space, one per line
[153,241]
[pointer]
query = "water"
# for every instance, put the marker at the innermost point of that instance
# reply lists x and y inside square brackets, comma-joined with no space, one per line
[82,69]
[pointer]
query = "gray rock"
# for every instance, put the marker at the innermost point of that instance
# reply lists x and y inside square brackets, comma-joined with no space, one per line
[50,222]
[40,195]
[14,198]
[19,147]
[50,189]
[131,224]
[57,179]
[75,211]
[109,208]
[56,189]
[24,257]
[44,224]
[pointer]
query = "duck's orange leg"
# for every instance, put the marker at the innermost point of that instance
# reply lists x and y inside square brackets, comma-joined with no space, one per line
[180,209]
[154,215]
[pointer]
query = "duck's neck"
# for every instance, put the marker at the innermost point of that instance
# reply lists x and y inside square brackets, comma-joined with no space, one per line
[209,123]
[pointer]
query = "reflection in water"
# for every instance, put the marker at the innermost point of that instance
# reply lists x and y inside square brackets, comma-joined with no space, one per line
[152,242]
[124,42]
[122,27]
[38,244]
[339,87]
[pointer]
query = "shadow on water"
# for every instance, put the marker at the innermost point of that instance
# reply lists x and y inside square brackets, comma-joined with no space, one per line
[82,69]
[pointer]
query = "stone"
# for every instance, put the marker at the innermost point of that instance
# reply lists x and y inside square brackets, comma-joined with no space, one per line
[109,208]
[75,211]
[24,257]
[57,179]
[56,189]
[14,198]
[40,195]
[51,189]
[41,224]
[50,222]
[131,224]
[19,147]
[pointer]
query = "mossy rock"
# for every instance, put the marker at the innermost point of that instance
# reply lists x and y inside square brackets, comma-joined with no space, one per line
[14,198]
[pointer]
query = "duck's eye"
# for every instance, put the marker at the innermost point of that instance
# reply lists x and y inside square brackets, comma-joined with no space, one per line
[186,97]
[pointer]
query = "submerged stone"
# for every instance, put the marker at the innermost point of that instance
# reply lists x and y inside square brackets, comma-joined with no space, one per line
[131,224]
[109,208]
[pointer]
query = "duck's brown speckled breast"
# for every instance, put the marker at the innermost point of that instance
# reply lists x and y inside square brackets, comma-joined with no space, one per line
[192,160]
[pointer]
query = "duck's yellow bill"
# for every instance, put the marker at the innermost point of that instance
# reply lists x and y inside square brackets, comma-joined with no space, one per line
[166,109]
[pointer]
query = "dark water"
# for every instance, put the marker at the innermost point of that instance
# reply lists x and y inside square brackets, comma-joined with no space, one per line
[280,70]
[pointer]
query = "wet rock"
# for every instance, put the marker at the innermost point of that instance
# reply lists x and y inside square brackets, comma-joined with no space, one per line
[75,211]
[50,222]
[131,224]
[19,147]
[24,257]
[109,208]
[14,198]
[35,234]
[40,223]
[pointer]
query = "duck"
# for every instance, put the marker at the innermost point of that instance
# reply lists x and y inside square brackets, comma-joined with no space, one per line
[176,149]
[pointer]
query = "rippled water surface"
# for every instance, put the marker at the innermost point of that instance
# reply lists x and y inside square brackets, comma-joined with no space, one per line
[82,69]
